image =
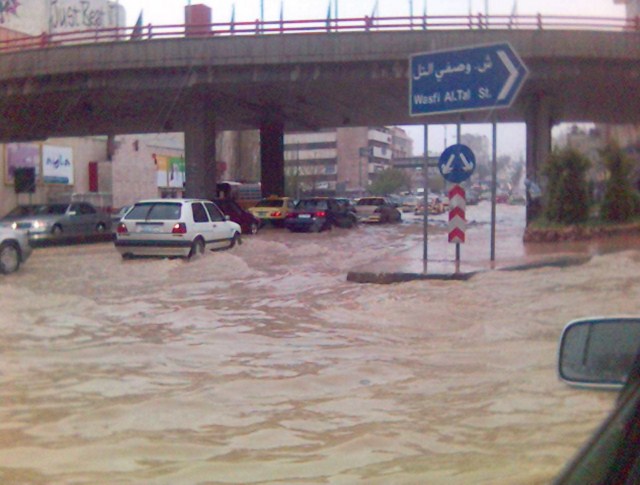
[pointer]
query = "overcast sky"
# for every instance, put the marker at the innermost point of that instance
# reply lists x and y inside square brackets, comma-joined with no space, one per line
[511,137]
[172,11]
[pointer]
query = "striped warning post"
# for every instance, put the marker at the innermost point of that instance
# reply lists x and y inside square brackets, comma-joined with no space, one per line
[457,220]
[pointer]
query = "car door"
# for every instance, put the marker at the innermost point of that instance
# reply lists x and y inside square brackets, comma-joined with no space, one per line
[202,225]
[75,221]
[337,213]
[88,218]
[612,456]
[220,227]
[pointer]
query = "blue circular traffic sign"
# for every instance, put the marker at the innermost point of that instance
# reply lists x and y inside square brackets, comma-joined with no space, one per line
[457,163]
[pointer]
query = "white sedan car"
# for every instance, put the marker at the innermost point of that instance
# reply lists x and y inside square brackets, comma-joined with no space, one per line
[174,227]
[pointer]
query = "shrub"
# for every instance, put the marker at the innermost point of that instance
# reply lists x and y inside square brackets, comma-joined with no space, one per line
[390,181]
[567,199]
[620,199]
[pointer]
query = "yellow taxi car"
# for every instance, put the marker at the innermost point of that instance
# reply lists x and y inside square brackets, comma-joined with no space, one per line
[273,210]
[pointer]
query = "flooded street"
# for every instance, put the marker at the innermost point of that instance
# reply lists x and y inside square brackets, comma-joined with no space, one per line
[264,365]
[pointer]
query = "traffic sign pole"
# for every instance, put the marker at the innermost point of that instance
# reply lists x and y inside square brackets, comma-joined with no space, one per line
[425,201]
[459,138]
[494,183]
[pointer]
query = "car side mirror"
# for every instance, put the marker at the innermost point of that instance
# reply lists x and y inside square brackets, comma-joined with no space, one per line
[599,352]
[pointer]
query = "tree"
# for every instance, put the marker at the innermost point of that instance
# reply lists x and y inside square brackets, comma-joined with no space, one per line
[567,189]
[389,181]
[620,201]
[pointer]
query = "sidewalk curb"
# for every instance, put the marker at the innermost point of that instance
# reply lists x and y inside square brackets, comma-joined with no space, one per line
[388,278]
[391,278]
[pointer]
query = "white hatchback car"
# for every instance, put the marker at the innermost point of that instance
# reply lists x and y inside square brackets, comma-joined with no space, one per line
[174,227]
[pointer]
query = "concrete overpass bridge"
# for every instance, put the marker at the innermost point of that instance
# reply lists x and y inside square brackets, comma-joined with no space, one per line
[280,77]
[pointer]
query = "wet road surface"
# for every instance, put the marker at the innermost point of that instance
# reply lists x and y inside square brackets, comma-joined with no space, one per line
[264,365]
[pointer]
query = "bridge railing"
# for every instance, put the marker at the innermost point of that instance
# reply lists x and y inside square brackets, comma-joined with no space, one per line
[361,24]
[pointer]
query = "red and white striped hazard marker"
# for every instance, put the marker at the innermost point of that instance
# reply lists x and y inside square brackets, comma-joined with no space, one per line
[457,221]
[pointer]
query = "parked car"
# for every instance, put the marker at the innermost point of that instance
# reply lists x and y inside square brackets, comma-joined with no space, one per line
[174,227]
[318,213]
[409,203]
[604,353]
[247,221]
[14,249]
[377,209]
[55,221]
[117,215]
[273,210]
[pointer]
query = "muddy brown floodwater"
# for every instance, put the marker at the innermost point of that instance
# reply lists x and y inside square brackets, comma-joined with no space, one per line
[263,365]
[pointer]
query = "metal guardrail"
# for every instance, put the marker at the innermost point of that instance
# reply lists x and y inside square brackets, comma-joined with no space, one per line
[281,27]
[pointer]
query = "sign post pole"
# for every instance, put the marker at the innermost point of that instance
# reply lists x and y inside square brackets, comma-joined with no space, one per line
[458,141]
[425,197]
[494,182]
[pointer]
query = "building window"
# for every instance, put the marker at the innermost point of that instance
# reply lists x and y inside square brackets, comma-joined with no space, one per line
[330,169]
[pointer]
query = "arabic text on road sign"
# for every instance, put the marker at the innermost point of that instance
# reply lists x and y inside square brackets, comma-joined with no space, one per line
[465,79]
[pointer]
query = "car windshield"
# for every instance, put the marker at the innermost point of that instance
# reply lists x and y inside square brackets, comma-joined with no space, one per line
[270,203]
[228,206]
[155,211]
[312,205]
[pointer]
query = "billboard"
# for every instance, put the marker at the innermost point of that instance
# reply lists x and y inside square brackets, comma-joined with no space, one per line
[27,17]
[33,17]
[57,165]
[170,171]
[21,155]
[70,15]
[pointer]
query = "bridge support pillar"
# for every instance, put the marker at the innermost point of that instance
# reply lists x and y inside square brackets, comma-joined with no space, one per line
[539,124]
[200,150]
[272,157]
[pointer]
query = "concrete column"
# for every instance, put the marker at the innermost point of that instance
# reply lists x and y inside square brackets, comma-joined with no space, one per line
[200,150]
[272,157]
[539,124]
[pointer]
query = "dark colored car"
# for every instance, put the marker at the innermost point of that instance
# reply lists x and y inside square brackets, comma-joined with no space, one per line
[248,222]
[318,213]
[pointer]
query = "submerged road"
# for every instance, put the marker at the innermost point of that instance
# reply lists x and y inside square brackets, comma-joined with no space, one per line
[264,365]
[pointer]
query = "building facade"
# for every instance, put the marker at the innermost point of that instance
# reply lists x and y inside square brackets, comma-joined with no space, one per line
[343,161]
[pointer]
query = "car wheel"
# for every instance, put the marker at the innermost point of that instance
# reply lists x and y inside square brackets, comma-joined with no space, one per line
[235,240]
[101,228]
[9,258]
[197,248]
[57,230]
[253,229]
